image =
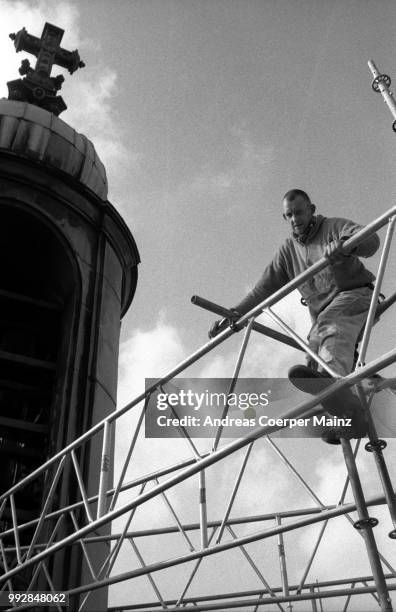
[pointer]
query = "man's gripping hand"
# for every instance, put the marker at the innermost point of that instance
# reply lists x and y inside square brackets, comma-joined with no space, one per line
[219,326]
[336,251]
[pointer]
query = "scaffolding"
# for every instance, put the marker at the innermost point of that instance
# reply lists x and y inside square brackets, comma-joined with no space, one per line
[28,547]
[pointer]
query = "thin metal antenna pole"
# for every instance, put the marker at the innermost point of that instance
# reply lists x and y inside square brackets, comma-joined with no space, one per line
[381,84]
[365,524]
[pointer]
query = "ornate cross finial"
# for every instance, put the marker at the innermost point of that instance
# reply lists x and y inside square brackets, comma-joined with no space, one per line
[38,87]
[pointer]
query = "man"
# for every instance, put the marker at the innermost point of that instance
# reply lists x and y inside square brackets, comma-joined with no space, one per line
[338,297]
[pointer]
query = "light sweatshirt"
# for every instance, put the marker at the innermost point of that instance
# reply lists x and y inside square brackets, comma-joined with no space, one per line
[295,256]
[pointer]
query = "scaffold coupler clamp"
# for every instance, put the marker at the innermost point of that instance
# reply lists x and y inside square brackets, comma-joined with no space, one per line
[374,445]
[370,521]
[232,321]
[381,78]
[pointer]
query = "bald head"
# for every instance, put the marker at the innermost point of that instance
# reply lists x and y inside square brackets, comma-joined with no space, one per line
[298,210]
[295,193]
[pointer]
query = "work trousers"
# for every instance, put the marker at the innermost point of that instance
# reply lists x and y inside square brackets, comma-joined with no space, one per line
[336,330]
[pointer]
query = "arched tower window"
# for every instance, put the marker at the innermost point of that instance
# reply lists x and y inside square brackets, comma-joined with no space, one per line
[37,293]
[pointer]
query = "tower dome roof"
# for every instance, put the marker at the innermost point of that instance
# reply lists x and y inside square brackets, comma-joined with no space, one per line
[38,135]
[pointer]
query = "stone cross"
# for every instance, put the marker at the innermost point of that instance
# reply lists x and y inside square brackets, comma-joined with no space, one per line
[38,87]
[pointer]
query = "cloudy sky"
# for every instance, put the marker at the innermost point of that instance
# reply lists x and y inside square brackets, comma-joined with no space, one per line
[205,113]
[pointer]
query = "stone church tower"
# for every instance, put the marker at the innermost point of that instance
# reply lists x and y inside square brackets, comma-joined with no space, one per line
[68,275]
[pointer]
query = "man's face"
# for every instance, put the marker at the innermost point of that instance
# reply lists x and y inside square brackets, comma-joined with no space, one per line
[298,213]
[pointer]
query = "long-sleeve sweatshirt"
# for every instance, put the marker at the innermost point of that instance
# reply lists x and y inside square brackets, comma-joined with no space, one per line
[295,256]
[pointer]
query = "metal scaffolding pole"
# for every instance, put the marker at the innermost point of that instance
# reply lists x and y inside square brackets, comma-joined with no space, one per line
[381,84]
[375,445]
[365,524]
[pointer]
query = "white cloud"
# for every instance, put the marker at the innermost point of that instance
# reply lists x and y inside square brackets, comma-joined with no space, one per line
[90,111]
[250,165]
[147,354]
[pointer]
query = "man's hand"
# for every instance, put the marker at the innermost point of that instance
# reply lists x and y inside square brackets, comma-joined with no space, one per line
[219,326]
[336,251]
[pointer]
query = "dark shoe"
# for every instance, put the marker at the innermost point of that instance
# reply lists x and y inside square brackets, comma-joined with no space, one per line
[309,380]
[333,435]
[343,404]
[357,429]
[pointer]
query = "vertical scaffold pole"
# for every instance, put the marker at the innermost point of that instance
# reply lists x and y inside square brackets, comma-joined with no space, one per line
[203,510]
[375,445]
[104,469]
[381,84]
[376,293]
[366,524]
[282,563]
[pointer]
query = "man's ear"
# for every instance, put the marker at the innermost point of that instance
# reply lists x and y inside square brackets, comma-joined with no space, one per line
[313,208]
